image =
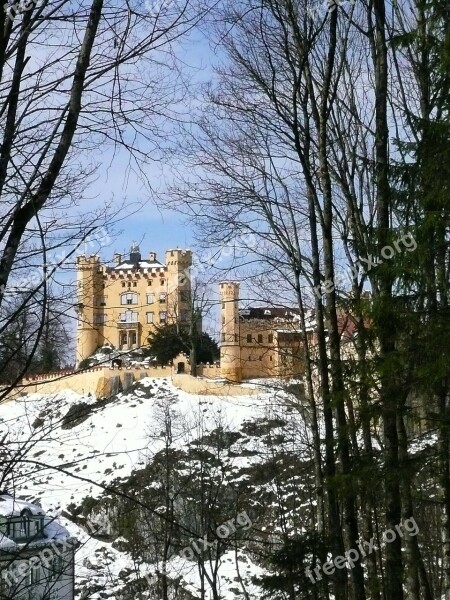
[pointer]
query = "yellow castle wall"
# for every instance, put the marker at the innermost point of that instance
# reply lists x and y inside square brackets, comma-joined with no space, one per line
[165,289]
[101,381]
[96,380]
[258,355]
[195,385]
[253,348]
[245,350]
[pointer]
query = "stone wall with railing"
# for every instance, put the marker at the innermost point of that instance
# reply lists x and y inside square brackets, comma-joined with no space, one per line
[104,381]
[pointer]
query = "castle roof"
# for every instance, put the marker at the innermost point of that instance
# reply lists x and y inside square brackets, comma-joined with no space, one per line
[134,260]
[269,313]
[142,264]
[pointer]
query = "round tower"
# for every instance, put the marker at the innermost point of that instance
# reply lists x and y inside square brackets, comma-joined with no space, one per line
[230,347]
[87,284]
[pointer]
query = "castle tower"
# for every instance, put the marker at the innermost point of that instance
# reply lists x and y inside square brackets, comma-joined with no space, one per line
[230,350]
[178,264]
[88,283]
[121,305]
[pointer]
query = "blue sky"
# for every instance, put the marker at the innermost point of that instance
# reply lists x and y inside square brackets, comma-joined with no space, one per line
[154,228]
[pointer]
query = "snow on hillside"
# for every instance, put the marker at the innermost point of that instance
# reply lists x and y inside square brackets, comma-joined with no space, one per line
[67,459]
[110,443]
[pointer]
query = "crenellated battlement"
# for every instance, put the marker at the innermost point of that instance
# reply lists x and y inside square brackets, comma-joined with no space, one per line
[120,305]
[88,262]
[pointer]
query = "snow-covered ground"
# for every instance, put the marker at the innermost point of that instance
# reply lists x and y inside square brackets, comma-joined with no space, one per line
[60,466]
[110,443]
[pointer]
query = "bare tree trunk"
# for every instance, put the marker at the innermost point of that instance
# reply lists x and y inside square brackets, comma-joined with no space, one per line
[444,476]
[387,333]
[338,391]
[367,499]
[413,557]
[26,212]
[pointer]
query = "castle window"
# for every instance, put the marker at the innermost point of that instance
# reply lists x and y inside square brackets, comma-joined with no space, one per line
[260,338]
[162,317]
[123,283]
[270,340]
[129,298]
[163,281]
[150,298]
[249,338]
[150,282]
[150,317]
[162,298]
[270,357]
[129,316]
[134,283]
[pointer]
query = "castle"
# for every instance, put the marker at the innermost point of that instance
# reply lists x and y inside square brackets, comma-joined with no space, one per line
[121,305]
[258,342]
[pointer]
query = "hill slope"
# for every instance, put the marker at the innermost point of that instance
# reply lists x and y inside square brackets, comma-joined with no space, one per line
[147,478]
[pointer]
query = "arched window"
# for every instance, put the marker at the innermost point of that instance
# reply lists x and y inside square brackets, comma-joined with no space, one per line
[129,298]
[25,523]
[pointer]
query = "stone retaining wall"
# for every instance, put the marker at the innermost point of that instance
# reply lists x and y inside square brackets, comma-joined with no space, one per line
[105,381]
[101,381]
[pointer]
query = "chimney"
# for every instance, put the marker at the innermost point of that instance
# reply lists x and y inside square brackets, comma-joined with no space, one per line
[117,258]
[135,254]
[152,257]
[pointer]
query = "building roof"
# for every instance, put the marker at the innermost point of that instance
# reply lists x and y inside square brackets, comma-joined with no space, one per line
[134,260]
[11,507]
[142,264]
[269,313]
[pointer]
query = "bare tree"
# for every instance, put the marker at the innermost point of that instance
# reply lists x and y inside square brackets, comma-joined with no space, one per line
[294,146]
[77,85]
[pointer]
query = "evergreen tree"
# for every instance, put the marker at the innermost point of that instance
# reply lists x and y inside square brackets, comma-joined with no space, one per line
[167,341]
[53,344]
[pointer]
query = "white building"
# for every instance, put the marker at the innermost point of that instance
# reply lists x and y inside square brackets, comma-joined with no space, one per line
[36,553]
